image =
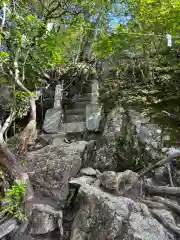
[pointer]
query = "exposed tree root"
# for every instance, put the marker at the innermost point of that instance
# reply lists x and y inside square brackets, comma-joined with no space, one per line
[160,163]
[168,203]
[173,228]
[152,204]
[170,175]
[163,190]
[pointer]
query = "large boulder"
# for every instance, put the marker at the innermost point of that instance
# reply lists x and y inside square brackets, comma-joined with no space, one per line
[131,141]
[51,167]
[45,219]
[52,120]
[104,216]
[93,117]
[105,159]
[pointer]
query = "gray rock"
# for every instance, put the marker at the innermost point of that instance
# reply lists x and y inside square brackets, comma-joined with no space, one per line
[7,227]
[45,219]
[75,127]
[52,120]
[118,182]
[166,215]
[145,227]
[95,92]
[161,176]
[133,140]
[93,117]
[104,216]
[52,166]
[114,121]
[58,96]
[77,182]
[105,159]
[88,171]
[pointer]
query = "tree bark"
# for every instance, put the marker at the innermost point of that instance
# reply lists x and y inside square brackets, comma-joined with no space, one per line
[170,204]
[163,190]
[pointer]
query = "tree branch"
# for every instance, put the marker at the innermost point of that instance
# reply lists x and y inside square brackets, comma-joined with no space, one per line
[3,16]
[7,123]
[19,83]
[160,163]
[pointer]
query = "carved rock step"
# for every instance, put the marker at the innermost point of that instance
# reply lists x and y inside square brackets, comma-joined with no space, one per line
[74,127]
[46,139]
[78,105]
[74,118]
[74,112]
[84,97]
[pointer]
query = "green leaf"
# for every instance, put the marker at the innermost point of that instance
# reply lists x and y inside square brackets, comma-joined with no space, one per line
[3,54]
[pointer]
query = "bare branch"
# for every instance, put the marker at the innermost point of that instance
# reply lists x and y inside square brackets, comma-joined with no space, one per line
[19,83]
[7,123]
[160,163]
[3,16]
[23,75]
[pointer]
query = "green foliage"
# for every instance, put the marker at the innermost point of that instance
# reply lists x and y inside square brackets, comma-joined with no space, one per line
[145,71]
[13,201]
[21,103]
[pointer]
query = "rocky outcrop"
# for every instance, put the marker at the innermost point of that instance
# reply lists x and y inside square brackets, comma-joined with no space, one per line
[106,157]
[117,182]
[108,203]
[41,225]
[102,215]
[131,141]
[51,167]
[45,219]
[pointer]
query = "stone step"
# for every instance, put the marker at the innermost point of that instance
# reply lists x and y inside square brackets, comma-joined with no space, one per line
[74,112]
[75,127]
[46,139]
[79,101]
[84,97]
[78,105]
[74,118]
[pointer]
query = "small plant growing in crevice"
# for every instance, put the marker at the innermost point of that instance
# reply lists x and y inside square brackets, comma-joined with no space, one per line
[12,202]
[138,164]
[121,141]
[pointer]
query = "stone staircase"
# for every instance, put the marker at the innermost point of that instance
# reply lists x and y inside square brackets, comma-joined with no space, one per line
[75,114]
[74,120]
[74,123]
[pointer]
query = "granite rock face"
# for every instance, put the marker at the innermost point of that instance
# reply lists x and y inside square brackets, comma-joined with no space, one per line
[52,120]
[105,159]
[93,117]
[51,167]
[104,216]
[131,141]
